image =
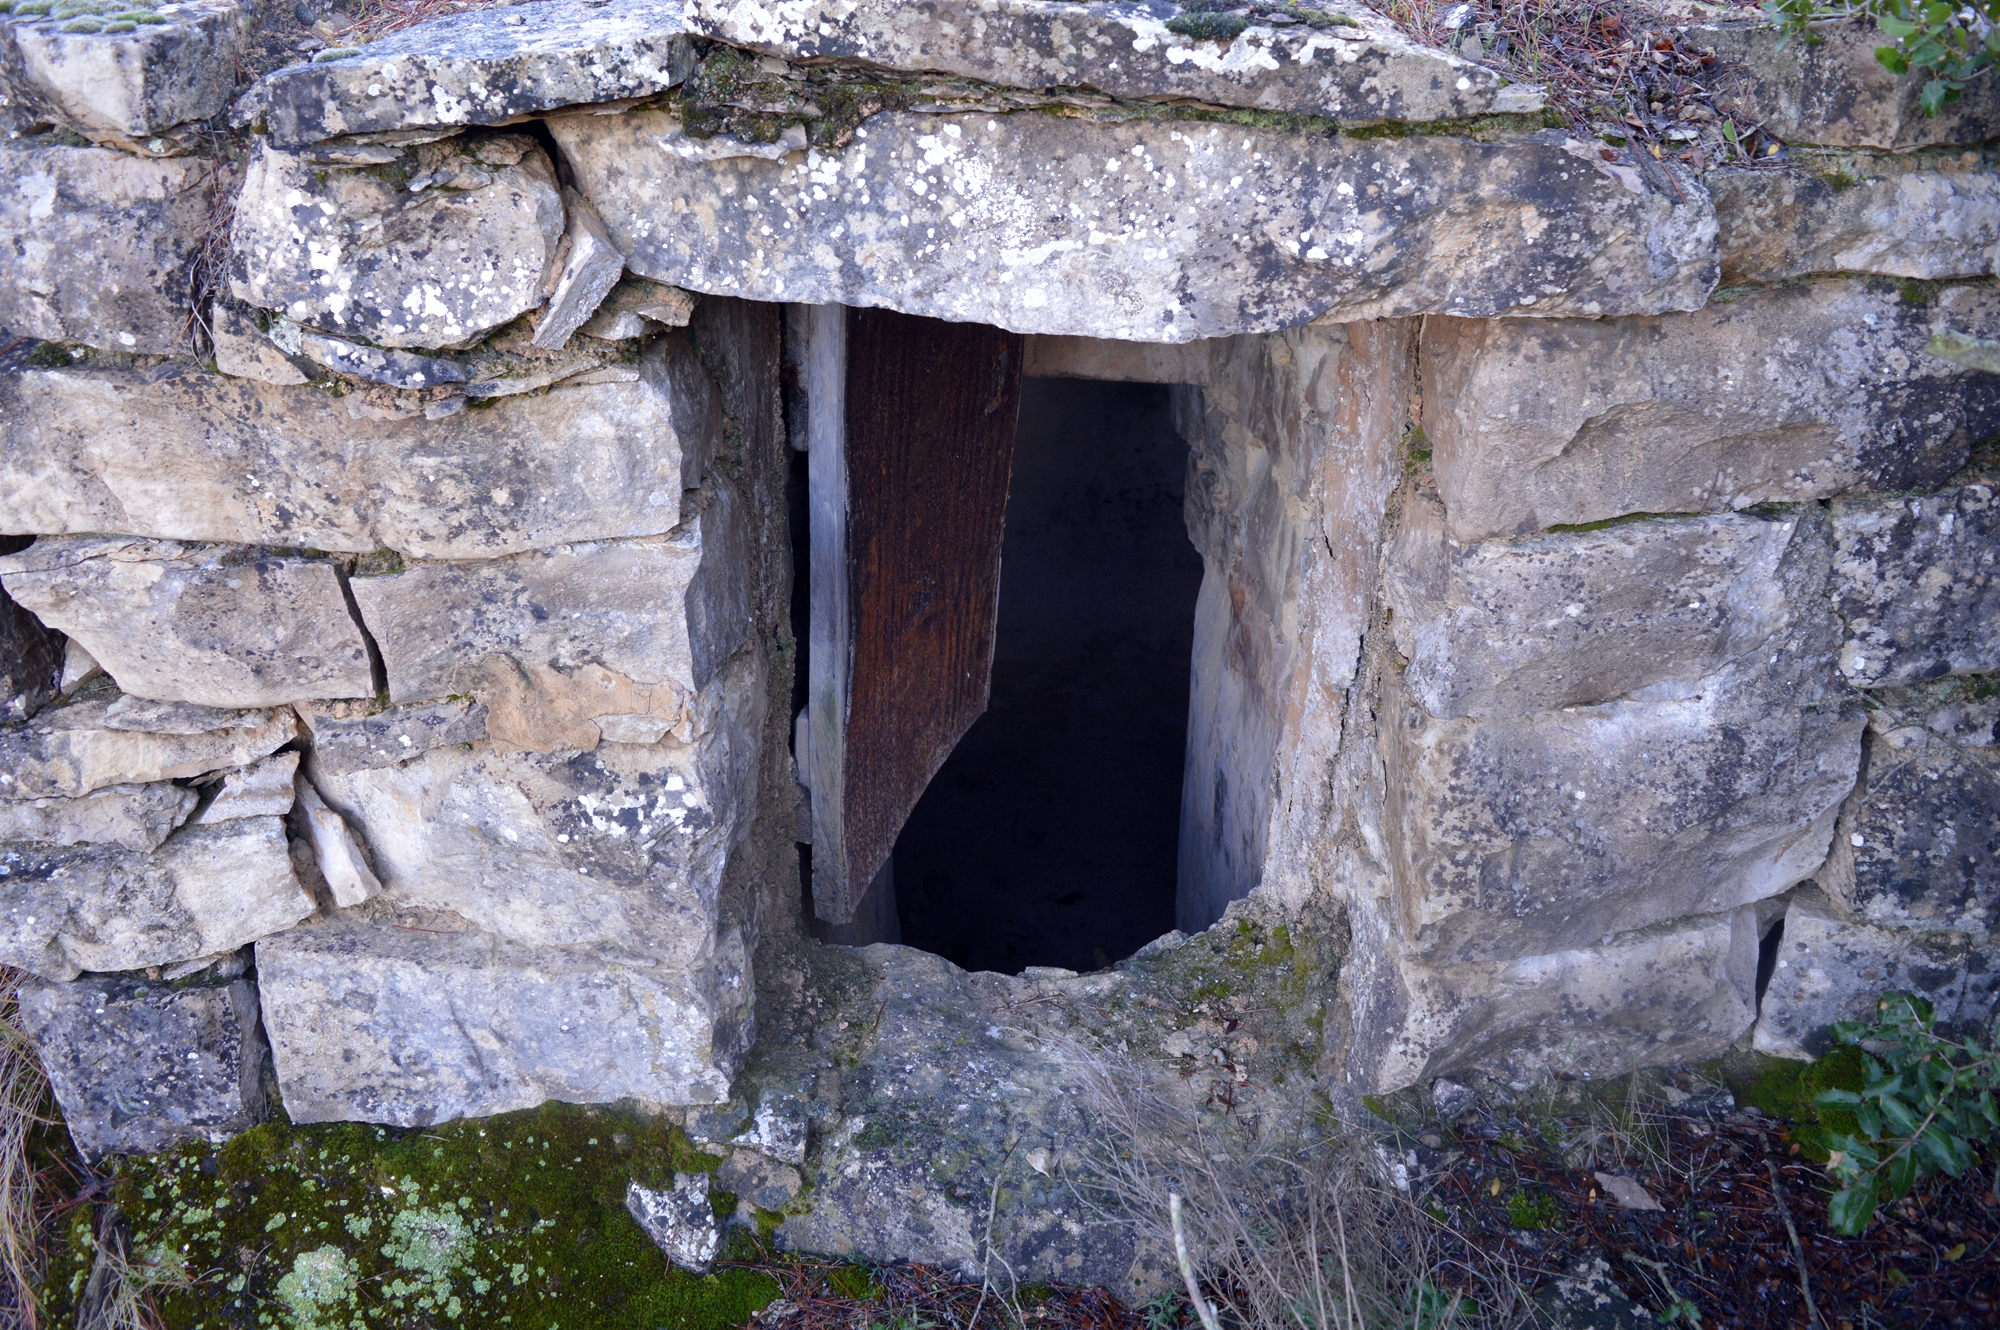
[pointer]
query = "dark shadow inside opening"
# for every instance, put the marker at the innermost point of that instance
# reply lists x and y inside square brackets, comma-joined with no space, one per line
[1051,835]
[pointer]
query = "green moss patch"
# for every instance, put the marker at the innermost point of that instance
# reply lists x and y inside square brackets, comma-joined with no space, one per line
[517,1220]
[1784,1089]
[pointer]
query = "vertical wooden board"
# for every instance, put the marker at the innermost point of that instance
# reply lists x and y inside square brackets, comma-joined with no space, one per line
[930,415]
[830,658]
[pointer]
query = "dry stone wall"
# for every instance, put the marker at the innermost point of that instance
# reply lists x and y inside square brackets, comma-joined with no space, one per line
[1600,565]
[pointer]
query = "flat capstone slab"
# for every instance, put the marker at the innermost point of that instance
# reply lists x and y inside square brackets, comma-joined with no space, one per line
[1158,230]
[486,67]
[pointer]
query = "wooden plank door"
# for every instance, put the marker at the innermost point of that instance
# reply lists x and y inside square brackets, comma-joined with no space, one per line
[911,429]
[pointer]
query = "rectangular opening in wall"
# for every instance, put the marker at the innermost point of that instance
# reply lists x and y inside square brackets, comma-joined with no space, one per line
[1050,836]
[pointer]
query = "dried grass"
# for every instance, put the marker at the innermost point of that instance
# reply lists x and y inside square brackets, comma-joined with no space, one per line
[1288,1229]
[23,1094]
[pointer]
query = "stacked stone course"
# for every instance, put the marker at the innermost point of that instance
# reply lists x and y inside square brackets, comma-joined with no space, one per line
[1601,571]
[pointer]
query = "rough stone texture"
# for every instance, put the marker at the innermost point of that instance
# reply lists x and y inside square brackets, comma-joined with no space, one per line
[1833,91]
[480,68]
[768,1184]
[590,267]
[433,247]
[140,1067]
[622,849]
[1527,835]
[680,1220]
[1834,969]
[1151,230]
[70,751]
[1860,213]
[393,369]
[1780,395]
[127,85]
[1918,844]
[1917,583]
[1676,992]
[339,857]
[1369,71]
[635,305]
[372,1022]
[97,245]
[243,351]
[173,452]
[32,658]
[553,640]
[218,626]
[206,890]
[263,789]
[348,739]
[137,817]
[1509,628]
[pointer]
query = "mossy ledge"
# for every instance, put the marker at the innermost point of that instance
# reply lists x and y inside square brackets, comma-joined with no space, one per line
[516,1220]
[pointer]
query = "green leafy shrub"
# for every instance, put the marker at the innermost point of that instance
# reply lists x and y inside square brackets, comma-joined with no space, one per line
[1926,1102]
[1954,41]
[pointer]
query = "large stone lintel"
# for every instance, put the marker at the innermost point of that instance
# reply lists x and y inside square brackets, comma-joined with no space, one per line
[1361,69]
[1158,230]
[487,67]
[173,451]
[379,1017]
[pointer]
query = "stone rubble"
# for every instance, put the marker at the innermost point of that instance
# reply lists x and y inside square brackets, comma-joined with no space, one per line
[342,864]
[1916,582]
[91,743]
[136,817]
[679,1220]
[262,789]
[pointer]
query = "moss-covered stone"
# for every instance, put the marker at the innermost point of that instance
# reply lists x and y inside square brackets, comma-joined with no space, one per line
[1784,1088]
[517,1220]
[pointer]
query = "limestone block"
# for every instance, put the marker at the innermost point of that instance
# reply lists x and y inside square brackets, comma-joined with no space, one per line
[31,659]
[552,640]
[621,849]
[1777,396]
[173,452]
[97,245]
[341,863]
[1148,230]
[137,817]
[347,739]
[680,1220]
[1677,992]
[434,1020]
[1834,91]
[486,67]
[1859,214]
[219,626]
[765,1183]
[70,751]
[125,84]
[1526,835]
[262,789]
[139,1067]
[243,351]
[1918,844]
[436,245]
[1567,619]
[206,890]
[591,266]
[1362,69]
[1834,969]
[1917,582]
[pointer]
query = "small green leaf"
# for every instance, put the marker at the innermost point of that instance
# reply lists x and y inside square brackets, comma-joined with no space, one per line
[1851,1208]
[1901,1175]
[1896,27]
[1729,126]
[1937,94]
